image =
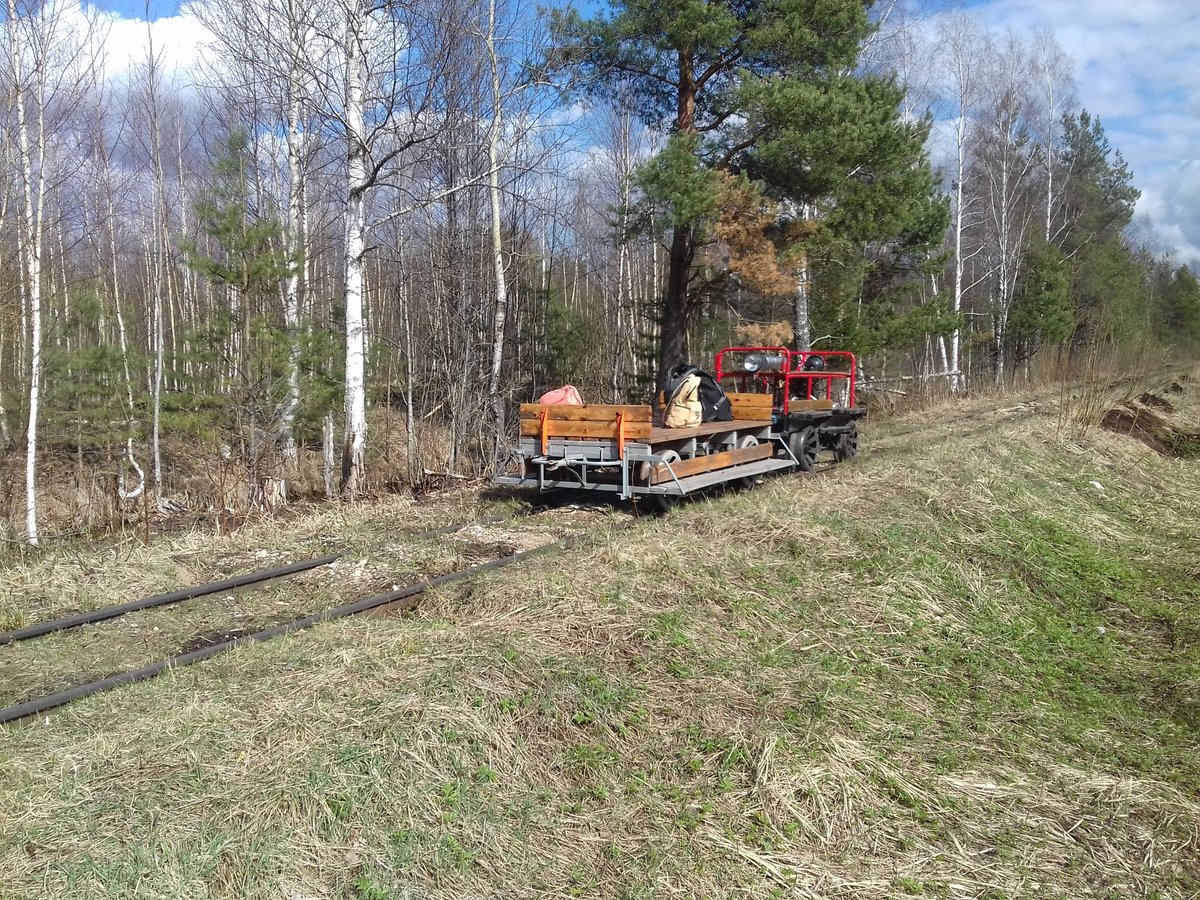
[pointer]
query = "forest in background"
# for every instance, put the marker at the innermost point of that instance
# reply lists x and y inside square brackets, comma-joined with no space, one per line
[333,257]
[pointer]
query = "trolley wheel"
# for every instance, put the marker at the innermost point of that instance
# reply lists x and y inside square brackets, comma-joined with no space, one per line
[847,445]
[659,504]
[804,445]
[747,481]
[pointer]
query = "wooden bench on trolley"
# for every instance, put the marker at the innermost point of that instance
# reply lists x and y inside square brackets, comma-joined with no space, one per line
[620,448]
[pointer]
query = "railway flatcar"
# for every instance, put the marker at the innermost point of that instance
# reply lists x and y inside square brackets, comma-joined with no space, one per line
[788,408]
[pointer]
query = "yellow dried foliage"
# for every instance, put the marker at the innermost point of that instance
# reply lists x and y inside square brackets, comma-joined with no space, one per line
[771,334]
[745,220]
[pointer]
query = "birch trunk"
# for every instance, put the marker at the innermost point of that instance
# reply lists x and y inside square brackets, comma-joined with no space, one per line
[501,307]
[1053,69]
[187,292]
[327,455]
[802,324]
[355,436]
[295,248]
[5,435]
[32,188]
[410,413]
[160,266]
[123,343]
[1001,314]
[959,213]
[156,385]
[622,263]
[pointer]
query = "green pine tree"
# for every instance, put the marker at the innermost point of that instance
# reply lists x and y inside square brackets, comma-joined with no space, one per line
[247,245]
[756,88]
[245,254]
[1177,307]
[1042,312]
[1107,281]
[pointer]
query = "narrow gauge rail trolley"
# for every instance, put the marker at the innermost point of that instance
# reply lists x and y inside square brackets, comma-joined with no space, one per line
[788,407]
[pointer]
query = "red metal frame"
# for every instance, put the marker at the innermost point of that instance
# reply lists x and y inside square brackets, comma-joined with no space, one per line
[780,382]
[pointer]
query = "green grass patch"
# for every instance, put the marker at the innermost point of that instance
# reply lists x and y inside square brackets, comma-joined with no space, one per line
[953,668]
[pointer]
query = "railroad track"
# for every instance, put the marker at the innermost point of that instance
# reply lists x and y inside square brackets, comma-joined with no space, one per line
[396,600]
[237,582]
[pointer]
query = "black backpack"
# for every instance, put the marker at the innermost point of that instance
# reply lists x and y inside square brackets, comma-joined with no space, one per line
[714,405]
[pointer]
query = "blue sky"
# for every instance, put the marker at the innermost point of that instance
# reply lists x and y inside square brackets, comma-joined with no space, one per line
[136,9]
[1137,65]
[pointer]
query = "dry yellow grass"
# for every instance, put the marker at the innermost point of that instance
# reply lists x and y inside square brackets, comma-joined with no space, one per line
[965,666]
[63,581]
[58,661]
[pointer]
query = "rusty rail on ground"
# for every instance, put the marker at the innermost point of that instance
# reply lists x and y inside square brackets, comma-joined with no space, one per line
[398,600]
[249,579]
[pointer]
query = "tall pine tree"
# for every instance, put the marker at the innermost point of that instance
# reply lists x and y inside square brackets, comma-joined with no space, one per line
[764,89]
[1107,281]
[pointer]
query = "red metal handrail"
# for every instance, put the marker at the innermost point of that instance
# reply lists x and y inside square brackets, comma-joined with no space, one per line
[792,371]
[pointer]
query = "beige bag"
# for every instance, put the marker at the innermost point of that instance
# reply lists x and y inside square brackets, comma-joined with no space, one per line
[684,409]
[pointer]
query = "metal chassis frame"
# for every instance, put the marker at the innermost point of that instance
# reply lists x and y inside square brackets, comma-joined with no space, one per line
[603,454]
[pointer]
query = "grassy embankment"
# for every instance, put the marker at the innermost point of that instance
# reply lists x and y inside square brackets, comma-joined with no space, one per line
[956,668]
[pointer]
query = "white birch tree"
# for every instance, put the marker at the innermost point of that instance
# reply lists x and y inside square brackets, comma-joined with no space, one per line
[500,309]
[354,440]
[1055,96]
[376,83]
[962,45]
[51,64]
[1005,162]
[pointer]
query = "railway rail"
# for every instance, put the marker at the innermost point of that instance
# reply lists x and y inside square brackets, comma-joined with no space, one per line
[397,600]
[237,582]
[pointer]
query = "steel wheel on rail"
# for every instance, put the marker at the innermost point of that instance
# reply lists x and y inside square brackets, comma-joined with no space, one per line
[662,503]
[747,481]
[804,445]
[847,444]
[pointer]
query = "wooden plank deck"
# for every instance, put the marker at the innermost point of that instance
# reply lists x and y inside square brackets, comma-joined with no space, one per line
[599,422]
[720,476]
[592,412]
[659,434]
[714,461]
[807,405]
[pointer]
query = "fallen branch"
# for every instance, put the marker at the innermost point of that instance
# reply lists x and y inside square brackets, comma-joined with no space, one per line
[430,473]
[913,378]
[137,491]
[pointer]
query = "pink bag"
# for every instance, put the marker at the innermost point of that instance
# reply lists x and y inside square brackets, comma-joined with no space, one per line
[567,395]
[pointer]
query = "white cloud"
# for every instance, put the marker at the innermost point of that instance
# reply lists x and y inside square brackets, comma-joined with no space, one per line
[1136,64]
[179,39]
[1170,213]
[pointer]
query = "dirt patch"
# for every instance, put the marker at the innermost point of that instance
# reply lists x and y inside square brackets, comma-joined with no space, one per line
[1153,430]
[1156,402]
[478,554]
[201,641]
[1142,630]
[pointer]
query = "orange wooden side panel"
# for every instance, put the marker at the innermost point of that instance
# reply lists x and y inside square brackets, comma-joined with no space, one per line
[592,421]
[804,405]
[750,406]
[720,460]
